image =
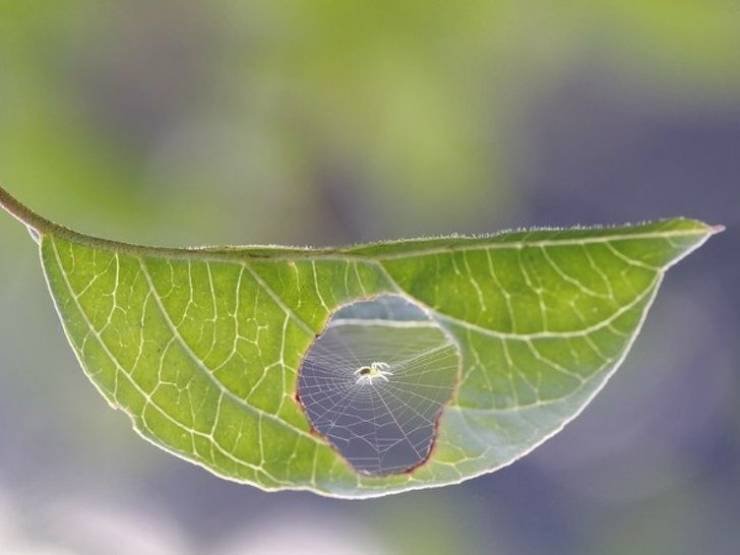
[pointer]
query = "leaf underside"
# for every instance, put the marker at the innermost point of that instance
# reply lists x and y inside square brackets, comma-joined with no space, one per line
[203,348]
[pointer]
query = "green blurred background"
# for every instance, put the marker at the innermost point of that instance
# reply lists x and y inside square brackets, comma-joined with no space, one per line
[329,122]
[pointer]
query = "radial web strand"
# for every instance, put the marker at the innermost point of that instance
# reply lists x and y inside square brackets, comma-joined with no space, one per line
[375,382]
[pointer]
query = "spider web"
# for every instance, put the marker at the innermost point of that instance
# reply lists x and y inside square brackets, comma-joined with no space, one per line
[379,426]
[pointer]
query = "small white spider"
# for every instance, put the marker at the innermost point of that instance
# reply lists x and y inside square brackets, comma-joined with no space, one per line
[366,374]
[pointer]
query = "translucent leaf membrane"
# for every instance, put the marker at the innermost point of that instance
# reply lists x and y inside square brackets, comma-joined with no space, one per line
[362,371]
[207,351]
[376,381]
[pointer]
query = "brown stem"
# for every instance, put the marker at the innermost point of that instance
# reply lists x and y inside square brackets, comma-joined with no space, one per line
[24,214]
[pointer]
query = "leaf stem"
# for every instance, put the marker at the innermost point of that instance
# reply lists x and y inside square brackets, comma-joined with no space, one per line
[24,214]
[41,226]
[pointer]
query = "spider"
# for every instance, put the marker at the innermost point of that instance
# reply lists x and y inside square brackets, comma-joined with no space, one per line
[366,374]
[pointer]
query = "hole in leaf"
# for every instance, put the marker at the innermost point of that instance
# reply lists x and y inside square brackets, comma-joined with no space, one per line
[374,383]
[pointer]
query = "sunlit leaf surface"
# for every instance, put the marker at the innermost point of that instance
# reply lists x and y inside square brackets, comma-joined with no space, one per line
[361,371]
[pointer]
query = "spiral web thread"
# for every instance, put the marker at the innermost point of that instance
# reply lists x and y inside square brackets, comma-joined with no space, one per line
[386,424]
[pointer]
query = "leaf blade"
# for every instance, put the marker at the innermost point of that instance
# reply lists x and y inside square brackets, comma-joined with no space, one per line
[202,348]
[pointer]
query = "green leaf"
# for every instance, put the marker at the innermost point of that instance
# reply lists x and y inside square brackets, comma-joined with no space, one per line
[362,371]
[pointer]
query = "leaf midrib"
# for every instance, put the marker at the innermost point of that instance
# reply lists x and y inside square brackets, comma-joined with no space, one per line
[498,241]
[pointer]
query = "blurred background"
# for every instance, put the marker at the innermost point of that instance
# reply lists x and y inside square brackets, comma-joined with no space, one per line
[319,122]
